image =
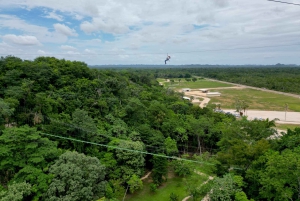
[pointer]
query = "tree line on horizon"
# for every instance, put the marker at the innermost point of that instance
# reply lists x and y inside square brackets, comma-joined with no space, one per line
[278,77]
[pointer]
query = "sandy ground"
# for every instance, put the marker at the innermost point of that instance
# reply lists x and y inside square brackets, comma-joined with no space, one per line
[202,103]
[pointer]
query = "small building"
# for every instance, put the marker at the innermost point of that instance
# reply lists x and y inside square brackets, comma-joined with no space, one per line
[186,89]
[186,98]
[204,90]
[212,94]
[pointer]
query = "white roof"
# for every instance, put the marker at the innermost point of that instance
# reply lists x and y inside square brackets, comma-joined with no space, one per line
[187,98]
[203,89]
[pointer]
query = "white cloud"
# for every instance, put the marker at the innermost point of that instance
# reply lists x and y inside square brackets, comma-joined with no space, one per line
[83,44]
[41,52]
[78,17]
[68,47]
[73,53]
[99,24]
[40,32]
[87,51]
[65,30]
[15,23]
[55,16]
[21,40]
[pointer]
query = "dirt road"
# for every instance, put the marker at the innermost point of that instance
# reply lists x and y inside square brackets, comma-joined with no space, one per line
[146,176]
[203,103]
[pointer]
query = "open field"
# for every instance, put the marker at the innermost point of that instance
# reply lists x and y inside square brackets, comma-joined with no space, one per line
[260,89]
[194,85]
[161,79]
[258,100]
[262,100]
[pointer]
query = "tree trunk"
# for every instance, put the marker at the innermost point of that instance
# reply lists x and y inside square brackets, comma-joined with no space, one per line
[199,145]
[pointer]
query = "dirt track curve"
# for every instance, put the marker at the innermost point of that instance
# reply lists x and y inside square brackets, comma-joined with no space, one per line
[206,198]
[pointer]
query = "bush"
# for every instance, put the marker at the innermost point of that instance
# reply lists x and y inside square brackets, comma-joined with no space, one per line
[153,187]
[174,197]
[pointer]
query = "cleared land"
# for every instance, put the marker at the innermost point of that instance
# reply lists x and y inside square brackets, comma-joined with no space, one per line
[261,89]
[259,100]
[265,102]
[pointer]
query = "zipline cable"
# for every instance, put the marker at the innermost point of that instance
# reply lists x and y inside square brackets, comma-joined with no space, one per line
[125,149]
[295,4]
[103,135]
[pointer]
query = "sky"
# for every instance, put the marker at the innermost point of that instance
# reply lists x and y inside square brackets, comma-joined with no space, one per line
[102,32]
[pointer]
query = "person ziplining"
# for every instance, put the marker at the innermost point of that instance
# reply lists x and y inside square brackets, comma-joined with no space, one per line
[167,59]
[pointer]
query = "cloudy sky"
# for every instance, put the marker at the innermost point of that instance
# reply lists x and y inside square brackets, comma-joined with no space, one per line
[144,32]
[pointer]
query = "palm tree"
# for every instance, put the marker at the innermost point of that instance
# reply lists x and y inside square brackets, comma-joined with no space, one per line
[244,106]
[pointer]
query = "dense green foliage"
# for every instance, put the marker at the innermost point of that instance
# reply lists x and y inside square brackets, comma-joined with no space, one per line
[127,113]
[16,192]
[77,177]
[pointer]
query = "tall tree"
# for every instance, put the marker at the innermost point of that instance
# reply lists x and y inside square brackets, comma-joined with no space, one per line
[281,175]
[225,188]
[26,156]
[16,192]
[5,111]
[171,146]
[159,171]
[76,177]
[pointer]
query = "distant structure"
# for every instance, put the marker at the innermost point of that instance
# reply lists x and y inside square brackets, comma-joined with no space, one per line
[186,98]
[204,90]
[186,89]
[212,94]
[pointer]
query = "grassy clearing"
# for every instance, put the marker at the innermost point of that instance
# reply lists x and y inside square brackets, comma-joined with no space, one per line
[195,85]
[286,126]
[174,184]
[257,99]
[161,79]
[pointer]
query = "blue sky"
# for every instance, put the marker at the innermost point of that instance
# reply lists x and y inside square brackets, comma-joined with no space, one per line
[144,32]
